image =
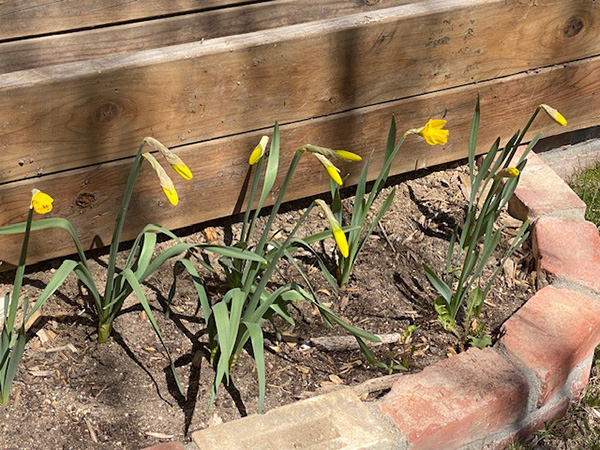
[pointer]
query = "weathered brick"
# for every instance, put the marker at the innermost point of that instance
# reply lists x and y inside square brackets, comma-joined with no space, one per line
[567,249]
[457,400]
[542,192]
[553,333]
[338,420]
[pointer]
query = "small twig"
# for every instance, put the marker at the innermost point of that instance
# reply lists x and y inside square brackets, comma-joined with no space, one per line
[385,236]
[88,424]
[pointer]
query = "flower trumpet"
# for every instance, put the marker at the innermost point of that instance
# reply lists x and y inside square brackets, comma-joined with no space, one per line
[432,132]
[41,202]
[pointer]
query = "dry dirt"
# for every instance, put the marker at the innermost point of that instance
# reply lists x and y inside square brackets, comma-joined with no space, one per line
[73,393]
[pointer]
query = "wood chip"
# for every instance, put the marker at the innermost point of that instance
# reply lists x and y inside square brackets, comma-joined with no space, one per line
[43,336]
[509,272]
[41,373]
[335,379]
[33,319]
[302,369]
[160,435]
[215,420]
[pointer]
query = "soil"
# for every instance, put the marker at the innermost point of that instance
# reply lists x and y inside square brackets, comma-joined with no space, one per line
[73,393]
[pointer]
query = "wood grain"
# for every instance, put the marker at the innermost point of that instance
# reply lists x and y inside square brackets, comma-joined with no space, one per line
[96,43]
[90,197]
[78,114]
[21,18]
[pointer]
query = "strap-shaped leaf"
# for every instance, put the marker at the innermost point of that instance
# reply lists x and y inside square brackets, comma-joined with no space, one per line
[442,288]
[473,139]
[256,338]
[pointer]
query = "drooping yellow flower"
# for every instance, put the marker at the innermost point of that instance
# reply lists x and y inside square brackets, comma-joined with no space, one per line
[554,115]
[338,233]
[258,151]
[165,181]
[509,172]
[333,171]
[329,153]
[41,202]
[432,132]
[175,161]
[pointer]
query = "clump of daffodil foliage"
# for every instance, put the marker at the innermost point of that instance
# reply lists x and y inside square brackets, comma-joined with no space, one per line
[434,134]
[13,336]
[236,318]
[141,262]
[462,287]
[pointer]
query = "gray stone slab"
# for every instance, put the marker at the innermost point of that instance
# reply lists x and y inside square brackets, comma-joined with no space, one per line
[333,421]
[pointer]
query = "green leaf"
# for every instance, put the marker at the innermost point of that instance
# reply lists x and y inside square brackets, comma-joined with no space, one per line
[474,303]
[256,338]
[442,288]
[473,139]
[55,282]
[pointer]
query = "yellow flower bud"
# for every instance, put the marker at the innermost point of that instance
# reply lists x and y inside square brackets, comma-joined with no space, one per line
[175,161]
[258,151]
[165,181]
[509,172]
[347,156]
[338,233]
[41,202]
[432,132]
[554,115]
[331,169]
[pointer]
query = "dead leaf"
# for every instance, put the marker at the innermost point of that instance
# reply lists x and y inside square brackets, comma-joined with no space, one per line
[211,235]
[215,420]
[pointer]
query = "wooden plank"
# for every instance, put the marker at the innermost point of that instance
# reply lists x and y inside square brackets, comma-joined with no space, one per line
[90,197]
[21,18]
[78,114]
[88,44]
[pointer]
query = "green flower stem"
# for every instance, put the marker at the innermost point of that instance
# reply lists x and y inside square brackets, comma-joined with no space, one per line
[114,245]
[14,300]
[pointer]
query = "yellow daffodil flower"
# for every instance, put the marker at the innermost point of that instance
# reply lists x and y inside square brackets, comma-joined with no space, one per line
[328,153]
[258,151]
[165,181]
[338,233]
[554,115]
[432,132]
[509,172]
[175,161]
[41,202]
[331,169]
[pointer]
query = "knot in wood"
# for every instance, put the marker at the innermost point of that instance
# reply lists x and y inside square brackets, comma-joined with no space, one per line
[573,27]
[108,112]
[371,2]
[85,200]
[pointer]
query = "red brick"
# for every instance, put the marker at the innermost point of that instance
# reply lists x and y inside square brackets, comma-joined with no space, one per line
[542,192]
[554,332]
[569,250]
[457,400]
[174,445]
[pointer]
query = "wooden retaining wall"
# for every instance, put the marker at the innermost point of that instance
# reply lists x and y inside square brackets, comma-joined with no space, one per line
[83,81]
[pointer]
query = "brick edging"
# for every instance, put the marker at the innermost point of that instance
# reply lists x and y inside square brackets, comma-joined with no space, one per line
[479,399]
[488,398]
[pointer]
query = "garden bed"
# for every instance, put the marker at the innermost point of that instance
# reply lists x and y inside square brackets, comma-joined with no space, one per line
[71,392]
